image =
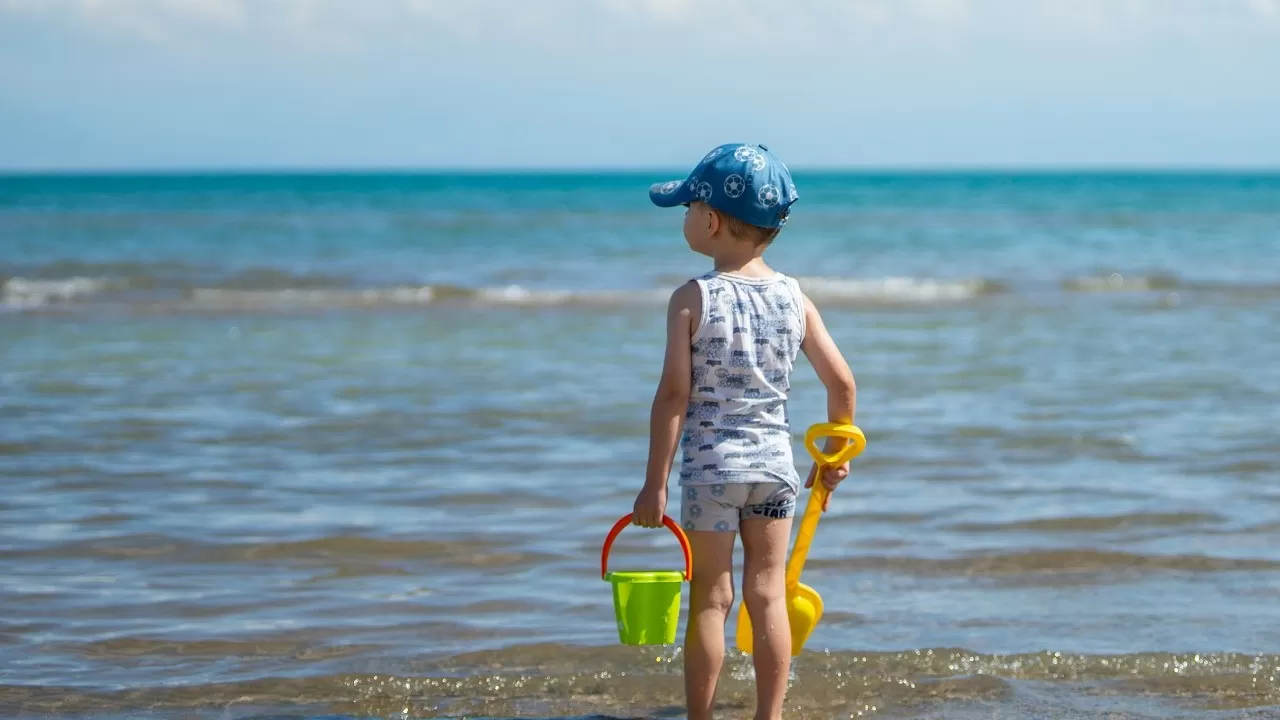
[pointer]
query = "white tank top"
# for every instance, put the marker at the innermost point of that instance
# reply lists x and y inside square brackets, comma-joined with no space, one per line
[736,427]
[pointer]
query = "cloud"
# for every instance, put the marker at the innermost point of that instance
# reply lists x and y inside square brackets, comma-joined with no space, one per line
[329,24]
[1266,8]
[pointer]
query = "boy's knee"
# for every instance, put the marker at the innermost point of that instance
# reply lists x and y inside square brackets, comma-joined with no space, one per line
[764,591]
[717,595]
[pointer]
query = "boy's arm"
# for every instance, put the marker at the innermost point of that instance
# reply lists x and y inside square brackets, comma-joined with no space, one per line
[834,372]
[670,402]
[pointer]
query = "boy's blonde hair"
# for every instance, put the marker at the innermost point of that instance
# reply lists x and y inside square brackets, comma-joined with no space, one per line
[746,231]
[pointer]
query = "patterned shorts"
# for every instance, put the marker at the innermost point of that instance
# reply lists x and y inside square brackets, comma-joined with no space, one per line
[722,507]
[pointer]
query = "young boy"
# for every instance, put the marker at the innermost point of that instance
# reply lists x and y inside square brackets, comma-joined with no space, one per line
[732,339]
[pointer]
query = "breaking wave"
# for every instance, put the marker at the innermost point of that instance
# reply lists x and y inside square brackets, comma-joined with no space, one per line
[180,288]
[897,289]
[187,289]
[26,293]
[1117,282]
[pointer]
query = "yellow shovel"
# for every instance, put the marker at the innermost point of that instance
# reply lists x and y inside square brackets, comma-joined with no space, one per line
[804,604]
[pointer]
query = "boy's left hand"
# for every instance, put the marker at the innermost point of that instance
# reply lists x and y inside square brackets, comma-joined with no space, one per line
[831,477]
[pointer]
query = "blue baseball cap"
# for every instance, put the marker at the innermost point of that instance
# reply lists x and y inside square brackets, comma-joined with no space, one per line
[745,181]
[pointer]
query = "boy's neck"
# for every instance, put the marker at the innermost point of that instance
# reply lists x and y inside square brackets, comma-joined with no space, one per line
[740,263]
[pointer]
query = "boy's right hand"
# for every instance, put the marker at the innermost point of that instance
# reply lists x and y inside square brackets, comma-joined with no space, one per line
[831,477]
[650,507]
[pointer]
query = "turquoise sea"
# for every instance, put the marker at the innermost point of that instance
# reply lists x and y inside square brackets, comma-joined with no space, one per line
[346,445]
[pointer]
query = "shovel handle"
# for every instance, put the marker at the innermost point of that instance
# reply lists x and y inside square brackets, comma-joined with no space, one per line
[666,520]
[857,442]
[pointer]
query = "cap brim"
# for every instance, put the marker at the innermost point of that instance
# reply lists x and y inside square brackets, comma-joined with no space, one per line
[671,194]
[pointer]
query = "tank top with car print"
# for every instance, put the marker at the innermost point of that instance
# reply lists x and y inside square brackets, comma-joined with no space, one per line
[736,428]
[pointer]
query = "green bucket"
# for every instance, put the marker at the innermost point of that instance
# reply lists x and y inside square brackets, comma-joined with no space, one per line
[646,603]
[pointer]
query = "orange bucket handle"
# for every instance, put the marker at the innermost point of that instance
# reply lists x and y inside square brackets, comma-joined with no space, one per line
[671,525]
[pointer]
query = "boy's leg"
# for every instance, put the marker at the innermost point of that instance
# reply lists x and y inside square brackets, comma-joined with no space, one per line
[709,515]
[710,597]
[764,544]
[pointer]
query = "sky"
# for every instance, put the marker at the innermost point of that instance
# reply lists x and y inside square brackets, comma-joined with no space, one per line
[444,84]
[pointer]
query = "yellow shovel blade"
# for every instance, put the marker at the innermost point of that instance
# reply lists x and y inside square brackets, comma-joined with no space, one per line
[804,604]
[804,610]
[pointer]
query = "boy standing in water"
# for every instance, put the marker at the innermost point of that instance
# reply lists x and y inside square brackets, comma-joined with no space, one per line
[733,335]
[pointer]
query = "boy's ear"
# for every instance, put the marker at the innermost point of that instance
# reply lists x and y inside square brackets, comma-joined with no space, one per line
[713,223]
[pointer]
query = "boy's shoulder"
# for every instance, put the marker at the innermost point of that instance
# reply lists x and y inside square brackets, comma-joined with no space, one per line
[687,289]
[686,297]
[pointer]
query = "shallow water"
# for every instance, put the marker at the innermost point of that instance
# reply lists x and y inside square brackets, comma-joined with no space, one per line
[348,446]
